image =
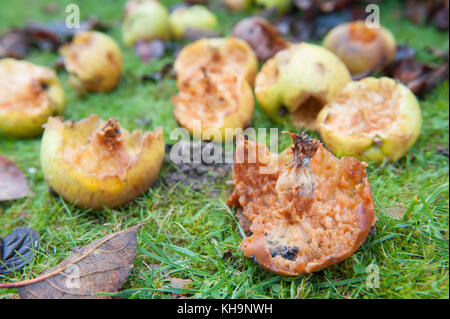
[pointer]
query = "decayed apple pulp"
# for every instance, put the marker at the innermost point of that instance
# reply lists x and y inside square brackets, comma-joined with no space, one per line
[372,119]
[29,94]
[95,163]
[308,211]
[216,55]
[217,102]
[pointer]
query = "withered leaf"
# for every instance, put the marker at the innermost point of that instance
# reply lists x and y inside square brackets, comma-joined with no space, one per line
[261,36]
[17,249]
[13,184]
[101,266]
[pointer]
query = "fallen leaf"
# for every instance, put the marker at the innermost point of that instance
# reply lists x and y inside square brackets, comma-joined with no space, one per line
[261,36]
[13,184]
[396,212]
[101,266]
[17,249]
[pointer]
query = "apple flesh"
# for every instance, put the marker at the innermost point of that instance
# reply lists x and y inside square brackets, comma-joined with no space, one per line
[29,94]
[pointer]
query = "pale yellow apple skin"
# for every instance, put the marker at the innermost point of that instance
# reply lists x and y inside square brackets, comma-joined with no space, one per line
[297,73]
[197,55]
[239,119]
[396,139]
[23,109]
[361,56]
[94,61]
[145,20]
[195,17]
[89,191]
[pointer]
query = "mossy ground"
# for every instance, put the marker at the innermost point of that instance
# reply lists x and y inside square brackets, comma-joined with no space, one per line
[189,232]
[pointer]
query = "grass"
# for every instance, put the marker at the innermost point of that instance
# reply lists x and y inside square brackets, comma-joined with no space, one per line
[189,232]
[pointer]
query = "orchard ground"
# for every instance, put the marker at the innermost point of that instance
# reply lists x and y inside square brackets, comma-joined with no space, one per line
[193,235]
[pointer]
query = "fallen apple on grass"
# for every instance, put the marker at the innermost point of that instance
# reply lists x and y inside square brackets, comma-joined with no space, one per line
[146,20]
[94,62]
[217,102]
[216,55]
[29,94]
[196,17]
[297,82]
[360,47]
[372,119]
[308,211]
[95,163]
[238,5]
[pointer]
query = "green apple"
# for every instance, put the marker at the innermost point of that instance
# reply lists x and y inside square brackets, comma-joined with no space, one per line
[145,20]
[194,17]
[238,5]
[294,85]
[282,5]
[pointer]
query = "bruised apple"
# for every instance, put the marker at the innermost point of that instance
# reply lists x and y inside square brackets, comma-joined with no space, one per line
[95,163]
[217,102]
[29,94]
[196,17]
[145,20]
[306,209]
[94,62]
[372,119]
[297,82]
[216,55]
[360,47]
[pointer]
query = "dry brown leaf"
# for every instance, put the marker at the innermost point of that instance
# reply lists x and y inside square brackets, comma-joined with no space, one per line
[102,266]
[13,184]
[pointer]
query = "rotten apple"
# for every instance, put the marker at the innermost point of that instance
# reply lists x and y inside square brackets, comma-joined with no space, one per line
[95,163]
[306,209]
[218,102]
[362,48]
[94,62]
[29,94]
[372,119]
[298,81]
[216,55]
[196,17]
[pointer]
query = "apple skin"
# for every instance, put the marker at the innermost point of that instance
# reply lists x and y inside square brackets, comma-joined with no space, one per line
[296,74]
[282,5]
[91,191]
[390,144]
[194,17]
[33,91]
[361,48]
[145,20]
[94,62]
[238,5]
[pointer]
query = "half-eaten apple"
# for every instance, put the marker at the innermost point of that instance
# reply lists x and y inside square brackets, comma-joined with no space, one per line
[294,85]
[308,211]
[372,119]
[216,55]
[217,102]
[29,94]
[95,163]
